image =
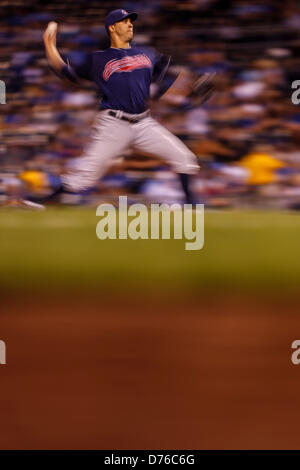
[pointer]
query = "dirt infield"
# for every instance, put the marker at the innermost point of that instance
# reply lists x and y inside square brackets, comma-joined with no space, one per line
[116,374]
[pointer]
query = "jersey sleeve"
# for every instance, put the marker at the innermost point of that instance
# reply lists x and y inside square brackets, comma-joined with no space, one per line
[162,76]
[161,66]
[79,66]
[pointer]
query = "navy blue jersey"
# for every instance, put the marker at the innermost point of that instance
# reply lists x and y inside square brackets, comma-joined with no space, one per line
[123,76]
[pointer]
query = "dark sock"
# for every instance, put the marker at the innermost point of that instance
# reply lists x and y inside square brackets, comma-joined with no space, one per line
[59,189]
[185,182]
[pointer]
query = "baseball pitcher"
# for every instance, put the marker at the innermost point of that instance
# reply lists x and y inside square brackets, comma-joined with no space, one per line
[123,74]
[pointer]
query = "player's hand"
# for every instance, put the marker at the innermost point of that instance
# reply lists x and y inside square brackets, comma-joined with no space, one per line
[51,31]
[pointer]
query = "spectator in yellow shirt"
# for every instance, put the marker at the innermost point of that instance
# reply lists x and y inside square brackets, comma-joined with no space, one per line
[262,167]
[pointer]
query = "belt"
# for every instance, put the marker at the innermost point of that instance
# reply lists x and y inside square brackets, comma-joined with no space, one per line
[133,120]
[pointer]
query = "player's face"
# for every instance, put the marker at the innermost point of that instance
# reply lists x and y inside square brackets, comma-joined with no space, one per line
[124,29]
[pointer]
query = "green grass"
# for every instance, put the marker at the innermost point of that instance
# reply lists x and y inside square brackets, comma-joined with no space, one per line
[58,250]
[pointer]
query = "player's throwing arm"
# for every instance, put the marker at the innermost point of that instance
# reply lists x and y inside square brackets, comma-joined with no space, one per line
[52,53]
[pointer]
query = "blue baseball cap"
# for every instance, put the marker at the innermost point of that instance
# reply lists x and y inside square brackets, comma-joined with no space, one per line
[118,15]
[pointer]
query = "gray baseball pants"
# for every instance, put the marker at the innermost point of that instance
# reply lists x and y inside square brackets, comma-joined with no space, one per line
[111,137]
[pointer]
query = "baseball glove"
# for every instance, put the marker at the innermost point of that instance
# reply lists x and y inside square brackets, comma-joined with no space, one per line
[204,87]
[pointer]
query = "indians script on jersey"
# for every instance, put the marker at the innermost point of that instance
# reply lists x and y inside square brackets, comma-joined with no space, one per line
[126,64]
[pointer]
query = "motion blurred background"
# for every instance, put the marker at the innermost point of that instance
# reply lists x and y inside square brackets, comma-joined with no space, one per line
[123,344]
[246,137]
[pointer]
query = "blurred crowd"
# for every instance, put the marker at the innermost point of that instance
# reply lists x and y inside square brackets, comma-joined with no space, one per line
[246,136]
